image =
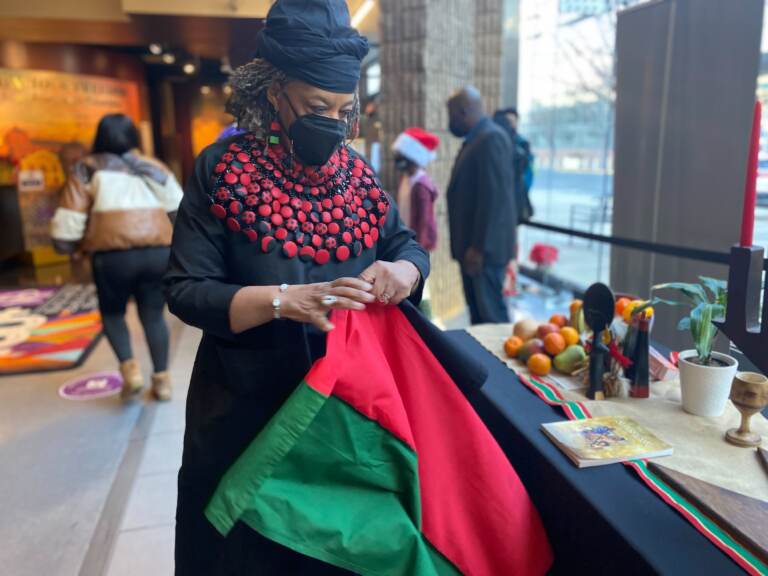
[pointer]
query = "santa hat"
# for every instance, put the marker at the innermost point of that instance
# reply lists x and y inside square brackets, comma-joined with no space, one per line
[418,145]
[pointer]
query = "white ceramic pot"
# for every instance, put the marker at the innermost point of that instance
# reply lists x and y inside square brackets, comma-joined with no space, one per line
[705,389]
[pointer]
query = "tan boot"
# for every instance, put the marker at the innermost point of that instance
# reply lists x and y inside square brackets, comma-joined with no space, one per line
[161,386]
[133,381]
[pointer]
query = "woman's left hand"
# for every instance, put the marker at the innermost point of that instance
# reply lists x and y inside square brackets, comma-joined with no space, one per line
[392,282]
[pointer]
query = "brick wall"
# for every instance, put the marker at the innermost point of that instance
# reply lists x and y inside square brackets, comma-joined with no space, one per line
[429,49]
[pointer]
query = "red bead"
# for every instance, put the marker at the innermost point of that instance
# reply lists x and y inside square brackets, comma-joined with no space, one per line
[326,217]
[277,220]
[267,244]
[330,243]
[302,217]
[368,241]
[218,210]
[361,212]
[327,203]
[252,200]
[357,173]
[347,238]
[291,224]
[235,207]
[342,253]
[286,211]
[315,191]
[227,157]
[374,194]
[375,234]
[373,219]
[306,205]
[220,167]
[243,157]
[307,227]
[299,188]
[317,241]
[358,233]
[333,228]
[290,249]
[281,233]
[338,200]
[222,194]
[251,235]
[296,203]
[307,253]
[234,147]
[276,206]
[288,185]
[245,179]
[267,184]
[365,227]
[284,198]
[249,167]
[337,213]
[358,163]
[277,174]
[233,225]
[230,178]
[322,256]
[321,229]
[248,217]
[265,210]
[236,168]
[266,197]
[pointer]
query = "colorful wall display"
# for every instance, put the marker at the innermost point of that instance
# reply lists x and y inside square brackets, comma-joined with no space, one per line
[43,329]
[47,122]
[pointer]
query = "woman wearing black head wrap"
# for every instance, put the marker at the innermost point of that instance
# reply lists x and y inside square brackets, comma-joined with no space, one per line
[278,225]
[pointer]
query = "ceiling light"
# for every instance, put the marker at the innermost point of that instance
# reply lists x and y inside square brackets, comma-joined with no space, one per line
[155,48]
[205,90]
[362,12]
[227,89]
[169,58]
[189,68]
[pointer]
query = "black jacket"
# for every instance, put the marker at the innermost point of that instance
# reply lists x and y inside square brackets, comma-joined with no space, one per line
[481,204]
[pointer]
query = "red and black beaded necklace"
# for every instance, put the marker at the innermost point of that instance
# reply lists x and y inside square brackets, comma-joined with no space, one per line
[334,211]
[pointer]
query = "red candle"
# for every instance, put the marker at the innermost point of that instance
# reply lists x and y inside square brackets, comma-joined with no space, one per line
[750,188]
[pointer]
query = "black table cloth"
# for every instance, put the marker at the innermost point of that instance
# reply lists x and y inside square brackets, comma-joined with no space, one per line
[601,520]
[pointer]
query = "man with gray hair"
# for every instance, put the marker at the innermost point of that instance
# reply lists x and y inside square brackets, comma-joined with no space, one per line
[481,206]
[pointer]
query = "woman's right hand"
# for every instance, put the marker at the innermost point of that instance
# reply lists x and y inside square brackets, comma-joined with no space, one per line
[308,302]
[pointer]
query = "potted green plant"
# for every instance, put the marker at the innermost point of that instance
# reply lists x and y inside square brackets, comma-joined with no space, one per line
[705,376]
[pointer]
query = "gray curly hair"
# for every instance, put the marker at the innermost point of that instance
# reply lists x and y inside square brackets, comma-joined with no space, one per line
[249,104]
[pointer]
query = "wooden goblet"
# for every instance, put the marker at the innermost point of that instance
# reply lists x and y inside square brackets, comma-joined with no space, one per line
[749,394]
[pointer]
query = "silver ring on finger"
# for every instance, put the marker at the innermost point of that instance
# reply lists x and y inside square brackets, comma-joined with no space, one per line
[385,298]
[329,300]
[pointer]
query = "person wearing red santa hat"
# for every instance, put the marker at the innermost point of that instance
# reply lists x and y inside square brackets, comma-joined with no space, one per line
[414,149]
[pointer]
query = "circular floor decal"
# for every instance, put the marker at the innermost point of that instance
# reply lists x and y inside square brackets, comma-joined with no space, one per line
[98,385]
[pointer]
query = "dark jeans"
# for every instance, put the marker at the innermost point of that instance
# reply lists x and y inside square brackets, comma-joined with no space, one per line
[137,272]
[484,294]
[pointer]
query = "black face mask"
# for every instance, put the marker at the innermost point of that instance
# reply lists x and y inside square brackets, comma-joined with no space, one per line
[457,130]
[402,164]
[315,138]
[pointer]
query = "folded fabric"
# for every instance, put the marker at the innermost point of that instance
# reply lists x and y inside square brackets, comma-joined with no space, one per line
[378,464]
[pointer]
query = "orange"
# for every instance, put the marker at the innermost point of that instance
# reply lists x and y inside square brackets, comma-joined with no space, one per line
[570,335]
[558,320]
[621,303]
[554,343]
[512,346]
[539,364]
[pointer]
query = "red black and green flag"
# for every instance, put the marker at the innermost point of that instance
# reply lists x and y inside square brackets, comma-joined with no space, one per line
[378,464]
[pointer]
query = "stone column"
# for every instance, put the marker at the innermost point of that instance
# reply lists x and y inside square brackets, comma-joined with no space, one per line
[429,49]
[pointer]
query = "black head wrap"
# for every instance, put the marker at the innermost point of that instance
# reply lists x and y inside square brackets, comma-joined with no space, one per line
[312,40]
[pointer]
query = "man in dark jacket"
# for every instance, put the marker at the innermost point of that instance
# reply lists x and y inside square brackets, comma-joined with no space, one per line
[522,159]
[481,206]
